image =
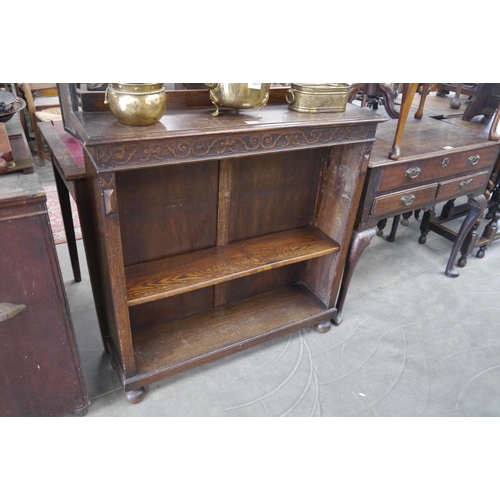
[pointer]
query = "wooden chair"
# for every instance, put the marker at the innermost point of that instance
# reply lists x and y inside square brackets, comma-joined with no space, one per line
[486,102]
[43,105]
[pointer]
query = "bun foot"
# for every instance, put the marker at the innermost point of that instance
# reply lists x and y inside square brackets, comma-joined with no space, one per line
[135,396]
[324,326]
[462,262]
[80,413]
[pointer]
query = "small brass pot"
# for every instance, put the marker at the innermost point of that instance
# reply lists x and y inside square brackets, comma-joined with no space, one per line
[137,104]
[239,95]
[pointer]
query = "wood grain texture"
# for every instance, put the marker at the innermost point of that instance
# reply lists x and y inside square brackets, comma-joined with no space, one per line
[187,342]
[159,279]
[273,193]
[218,222]
[167,211]
[40,369]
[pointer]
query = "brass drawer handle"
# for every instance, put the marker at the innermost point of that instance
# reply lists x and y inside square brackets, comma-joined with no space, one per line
[408,199]
[8,311]
[472,160]
[412,172]
[445,162]
[464,184]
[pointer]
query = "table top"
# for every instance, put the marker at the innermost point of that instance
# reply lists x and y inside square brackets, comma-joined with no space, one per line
[66,148]
[427,137]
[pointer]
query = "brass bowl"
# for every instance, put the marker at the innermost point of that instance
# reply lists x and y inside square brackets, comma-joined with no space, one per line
[137,104]
[239,95]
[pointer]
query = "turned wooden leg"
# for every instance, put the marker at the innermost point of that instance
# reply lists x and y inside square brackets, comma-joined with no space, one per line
[477,206]
[490,232]
[135,396]
[425,224]
[388,95]
[406,218]
[324,326]
[394,228]
[359,242]
[423,97]
[380,226]
[448,207]
[468,245]
[455,103]
[356,88]
[409,90]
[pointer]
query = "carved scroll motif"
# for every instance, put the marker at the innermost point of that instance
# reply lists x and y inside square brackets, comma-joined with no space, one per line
[174,150]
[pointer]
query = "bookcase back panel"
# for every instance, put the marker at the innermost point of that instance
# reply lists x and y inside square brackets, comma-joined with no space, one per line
[272,193]
[167,211]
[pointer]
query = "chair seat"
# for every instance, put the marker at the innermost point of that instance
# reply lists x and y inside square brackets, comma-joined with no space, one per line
[46,101]
[49,114]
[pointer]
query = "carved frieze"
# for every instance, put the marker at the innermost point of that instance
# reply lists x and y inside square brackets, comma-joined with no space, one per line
[175,150]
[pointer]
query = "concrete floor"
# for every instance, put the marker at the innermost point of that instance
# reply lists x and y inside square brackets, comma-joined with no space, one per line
[413,343]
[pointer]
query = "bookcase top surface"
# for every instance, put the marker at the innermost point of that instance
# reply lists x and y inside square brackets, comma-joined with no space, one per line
[97,128]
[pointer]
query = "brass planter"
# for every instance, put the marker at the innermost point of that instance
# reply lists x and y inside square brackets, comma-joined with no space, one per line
[317,97]
[137,104]
[238,95]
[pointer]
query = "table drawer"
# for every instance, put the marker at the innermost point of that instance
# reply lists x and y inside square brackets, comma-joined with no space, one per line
[433,169]
[462,186]
[408,199]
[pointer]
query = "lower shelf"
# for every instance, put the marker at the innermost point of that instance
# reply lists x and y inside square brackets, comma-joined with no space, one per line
[184,343]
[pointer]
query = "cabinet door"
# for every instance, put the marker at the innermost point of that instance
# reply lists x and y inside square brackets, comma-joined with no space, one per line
[40,371]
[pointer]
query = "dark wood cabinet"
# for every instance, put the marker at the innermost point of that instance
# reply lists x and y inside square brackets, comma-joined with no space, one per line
[214,234]
[40,373]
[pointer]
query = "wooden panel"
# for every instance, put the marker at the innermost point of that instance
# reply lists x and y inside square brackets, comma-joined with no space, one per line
[395,202]
[187,342]
[151,313]
[462,185]
[338,198]
[166,211]
[273,193]
[150,281]
[41,373]
[243,288]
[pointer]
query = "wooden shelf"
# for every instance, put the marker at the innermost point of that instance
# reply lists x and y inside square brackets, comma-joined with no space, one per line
[183,273]
[193,340]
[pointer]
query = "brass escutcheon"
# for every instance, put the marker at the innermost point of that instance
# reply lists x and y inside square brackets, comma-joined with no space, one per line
[445,162]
